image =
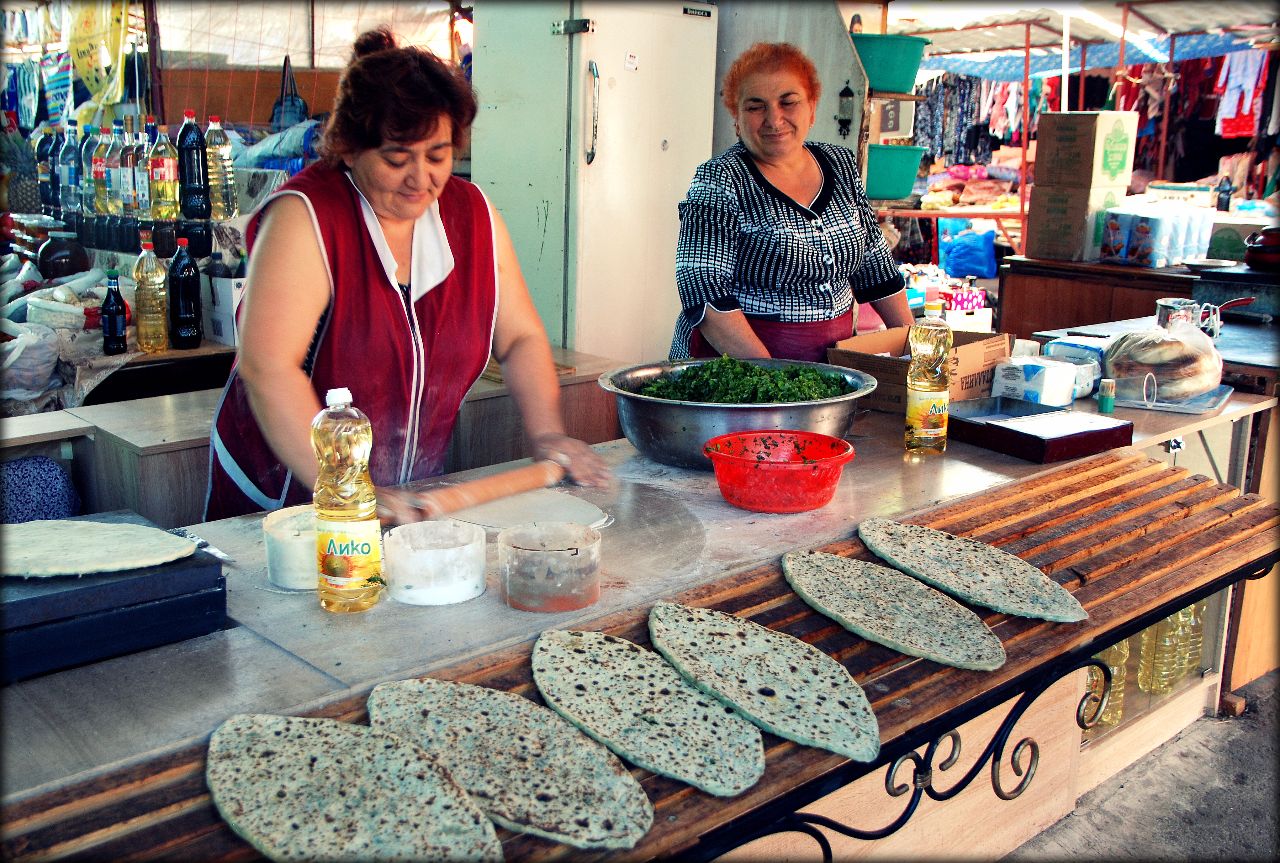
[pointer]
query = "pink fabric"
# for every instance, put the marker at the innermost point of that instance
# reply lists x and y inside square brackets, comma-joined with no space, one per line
[807,342]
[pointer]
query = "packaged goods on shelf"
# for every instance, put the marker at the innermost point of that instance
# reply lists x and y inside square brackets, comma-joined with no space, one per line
[1066,223]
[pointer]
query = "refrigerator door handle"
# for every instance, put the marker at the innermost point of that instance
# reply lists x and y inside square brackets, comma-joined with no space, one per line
[595,108]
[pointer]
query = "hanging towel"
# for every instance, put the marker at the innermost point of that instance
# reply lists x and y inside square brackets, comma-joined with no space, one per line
[55,67]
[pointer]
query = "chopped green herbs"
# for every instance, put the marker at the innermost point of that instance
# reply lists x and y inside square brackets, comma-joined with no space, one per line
[730,381]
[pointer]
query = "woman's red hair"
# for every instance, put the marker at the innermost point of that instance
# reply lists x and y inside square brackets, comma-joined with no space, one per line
[768,57]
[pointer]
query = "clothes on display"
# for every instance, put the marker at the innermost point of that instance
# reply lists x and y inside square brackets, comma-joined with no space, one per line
[1240,86]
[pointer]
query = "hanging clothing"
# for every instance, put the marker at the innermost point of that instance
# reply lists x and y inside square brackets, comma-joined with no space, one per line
[1240,84]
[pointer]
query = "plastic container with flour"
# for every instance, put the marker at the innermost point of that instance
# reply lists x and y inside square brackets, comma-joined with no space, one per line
[434,562]
[290,537]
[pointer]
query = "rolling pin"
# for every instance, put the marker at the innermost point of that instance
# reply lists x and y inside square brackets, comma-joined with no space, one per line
[447,499]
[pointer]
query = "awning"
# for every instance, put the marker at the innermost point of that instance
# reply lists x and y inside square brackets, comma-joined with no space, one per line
[1008,66]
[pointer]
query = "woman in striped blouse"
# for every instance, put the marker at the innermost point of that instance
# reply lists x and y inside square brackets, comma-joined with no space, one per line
[778,243]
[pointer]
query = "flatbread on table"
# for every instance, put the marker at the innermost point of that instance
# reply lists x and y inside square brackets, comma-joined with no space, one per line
[971,570]
[783,685]
[73,547]
[632,701]
[528,769]
[305,789]
[891,608]
[540,504]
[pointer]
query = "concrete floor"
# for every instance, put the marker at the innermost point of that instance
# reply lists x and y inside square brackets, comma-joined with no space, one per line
[1208,794]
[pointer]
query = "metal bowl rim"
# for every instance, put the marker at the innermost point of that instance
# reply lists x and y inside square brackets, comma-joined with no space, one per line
[865,383]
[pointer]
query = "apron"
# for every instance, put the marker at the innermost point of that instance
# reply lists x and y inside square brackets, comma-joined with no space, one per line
[807,342]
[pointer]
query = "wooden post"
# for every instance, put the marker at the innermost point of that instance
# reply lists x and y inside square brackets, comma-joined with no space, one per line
[1084,57]
[1168,106]
[1026,131]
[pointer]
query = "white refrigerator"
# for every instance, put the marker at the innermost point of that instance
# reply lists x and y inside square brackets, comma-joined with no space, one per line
[593,117]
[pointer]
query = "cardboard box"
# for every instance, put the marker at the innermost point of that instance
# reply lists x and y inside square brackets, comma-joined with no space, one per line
[219,300]
[973,359]
[1065,223]
[968,320]
[1229,234]
[1200,195]
[1084,149]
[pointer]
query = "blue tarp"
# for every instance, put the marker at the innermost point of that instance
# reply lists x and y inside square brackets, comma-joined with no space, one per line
[1009,66]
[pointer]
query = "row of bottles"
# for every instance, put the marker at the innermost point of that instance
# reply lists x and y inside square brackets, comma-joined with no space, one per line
[109,184]
[1166,652]
[166,304]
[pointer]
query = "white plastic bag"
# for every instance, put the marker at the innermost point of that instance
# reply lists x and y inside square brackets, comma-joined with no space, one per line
[1180,363]
[30,360]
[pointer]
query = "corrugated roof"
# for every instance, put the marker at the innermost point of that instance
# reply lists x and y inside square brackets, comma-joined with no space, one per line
[988,39]
[1093,21]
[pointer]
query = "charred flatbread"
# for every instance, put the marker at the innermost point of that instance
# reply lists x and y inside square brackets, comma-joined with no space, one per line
[307,789]
[783,685]
[632,701]
[970,570]
[527,768]
[892,608]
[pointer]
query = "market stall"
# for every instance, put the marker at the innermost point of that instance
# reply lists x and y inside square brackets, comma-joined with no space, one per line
[141,786]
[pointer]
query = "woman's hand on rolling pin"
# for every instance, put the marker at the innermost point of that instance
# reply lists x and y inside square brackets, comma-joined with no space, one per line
[400,506]
[583,464]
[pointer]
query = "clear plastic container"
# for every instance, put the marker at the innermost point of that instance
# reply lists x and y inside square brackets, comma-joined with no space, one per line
[549,566]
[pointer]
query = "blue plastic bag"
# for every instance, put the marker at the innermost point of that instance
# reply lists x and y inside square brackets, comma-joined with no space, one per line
[970,254]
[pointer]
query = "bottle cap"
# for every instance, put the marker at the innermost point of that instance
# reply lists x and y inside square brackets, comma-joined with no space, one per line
[189,112]
[182,241]
[337,396]
[933,307]
[215,118]
[113,274]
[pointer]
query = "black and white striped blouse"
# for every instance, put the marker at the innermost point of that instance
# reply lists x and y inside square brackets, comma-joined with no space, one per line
[745,245]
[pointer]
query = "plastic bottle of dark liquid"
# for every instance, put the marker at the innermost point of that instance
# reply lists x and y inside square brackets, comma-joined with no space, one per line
[113,317]
[186,329]
[193,169]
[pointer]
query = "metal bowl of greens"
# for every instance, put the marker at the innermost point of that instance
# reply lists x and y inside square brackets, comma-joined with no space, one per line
[669,410]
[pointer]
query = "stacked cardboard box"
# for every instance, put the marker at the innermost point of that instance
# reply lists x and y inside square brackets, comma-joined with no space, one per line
[1083,167]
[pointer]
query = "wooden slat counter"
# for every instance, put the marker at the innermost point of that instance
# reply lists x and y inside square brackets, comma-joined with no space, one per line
[1130,537]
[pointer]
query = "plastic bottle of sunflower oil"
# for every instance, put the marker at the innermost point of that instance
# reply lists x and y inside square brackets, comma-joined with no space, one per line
[928,395]
[1116,657]
[1193,636]
[1160,656]
[348,535]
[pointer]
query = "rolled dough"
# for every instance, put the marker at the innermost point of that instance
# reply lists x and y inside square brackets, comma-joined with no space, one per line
[542,504]
[70,547]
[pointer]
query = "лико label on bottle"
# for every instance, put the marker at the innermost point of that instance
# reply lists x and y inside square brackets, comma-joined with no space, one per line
[927,414]
[349,553]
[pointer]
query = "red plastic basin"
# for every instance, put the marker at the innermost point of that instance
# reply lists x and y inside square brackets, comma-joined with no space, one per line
[778,471]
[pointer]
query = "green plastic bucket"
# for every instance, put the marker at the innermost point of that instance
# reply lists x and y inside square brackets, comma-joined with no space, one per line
[890,61]
[891,171]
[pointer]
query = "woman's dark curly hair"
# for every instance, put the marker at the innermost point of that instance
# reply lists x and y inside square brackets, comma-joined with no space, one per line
[390,93]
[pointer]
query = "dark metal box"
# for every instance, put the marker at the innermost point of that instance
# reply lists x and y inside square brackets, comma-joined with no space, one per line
[48,624]
[1033,431]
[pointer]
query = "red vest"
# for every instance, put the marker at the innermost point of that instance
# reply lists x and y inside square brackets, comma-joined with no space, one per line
[408,374]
